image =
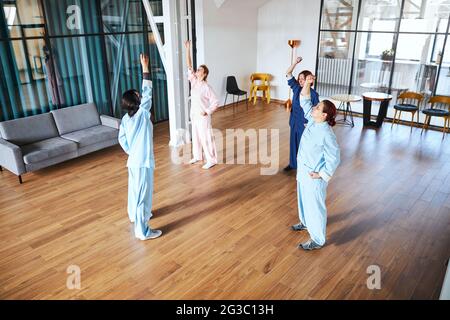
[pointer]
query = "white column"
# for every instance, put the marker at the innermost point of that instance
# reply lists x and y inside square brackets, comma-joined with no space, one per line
[171,55]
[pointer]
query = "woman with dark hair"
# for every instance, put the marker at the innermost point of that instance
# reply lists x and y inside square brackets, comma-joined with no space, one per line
[203,104]
[136,139]
[297,118]
[318,158]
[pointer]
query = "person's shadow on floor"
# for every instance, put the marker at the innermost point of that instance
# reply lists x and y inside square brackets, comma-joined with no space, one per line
[227,195]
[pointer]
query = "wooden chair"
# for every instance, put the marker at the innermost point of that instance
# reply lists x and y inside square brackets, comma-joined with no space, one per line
[443,111]
[408,105]
[260,82]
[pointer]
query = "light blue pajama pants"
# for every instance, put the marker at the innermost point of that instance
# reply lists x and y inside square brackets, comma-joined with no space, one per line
[140,194]
[312,211]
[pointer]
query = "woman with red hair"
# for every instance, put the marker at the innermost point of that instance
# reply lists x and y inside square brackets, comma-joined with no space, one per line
[318,158]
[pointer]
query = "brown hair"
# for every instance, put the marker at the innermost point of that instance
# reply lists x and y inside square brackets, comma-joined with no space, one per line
[205,70]
[330,109]
[305,73]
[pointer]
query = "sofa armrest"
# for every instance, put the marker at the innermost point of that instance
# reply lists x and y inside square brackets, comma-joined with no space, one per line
[11,157]
[110,121]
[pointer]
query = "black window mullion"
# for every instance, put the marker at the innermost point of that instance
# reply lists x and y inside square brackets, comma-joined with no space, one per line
[394,47]
[352,69]
[442,57]
[105,57]
[50,50]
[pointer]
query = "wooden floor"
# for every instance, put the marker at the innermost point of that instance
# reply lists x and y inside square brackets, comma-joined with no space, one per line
[226,230]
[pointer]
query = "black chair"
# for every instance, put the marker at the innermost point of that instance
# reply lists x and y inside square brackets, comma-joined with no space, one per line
[233,89]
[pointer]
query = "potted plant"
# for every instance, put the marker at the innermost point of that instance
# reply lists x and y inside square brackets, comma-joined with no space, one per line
[387,55]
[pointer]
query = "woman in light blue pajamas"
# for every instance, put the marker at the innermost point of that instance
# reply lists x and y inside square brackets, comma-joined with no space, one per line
[136,139]
[318,157]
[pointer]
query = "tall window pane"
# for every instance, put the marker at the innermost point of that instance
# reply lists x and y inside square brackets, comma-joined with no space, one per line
[24,18]
[379,15]
[339,14]
[373,62]
[124,65]
[71,17]
[443,87]
[84,78]
[425,16]
[159,79]
[416,70]
[335,62]
[25,87]
[122,16]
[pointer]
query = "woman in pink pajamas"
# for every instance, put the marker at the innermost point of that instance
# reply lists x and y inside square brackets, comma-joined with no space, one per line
[203,103]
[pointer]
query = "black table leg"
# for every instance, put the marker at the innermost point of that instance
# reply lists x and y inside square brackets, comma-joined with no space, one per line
[367,105]
[347,111]
[350,113]
[382,113]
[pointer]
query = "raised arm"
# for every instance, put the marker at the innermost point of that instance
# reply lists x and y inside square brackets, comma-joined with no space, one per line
[191,75]
[146,101]
[292,82]
[187,45]
[305,97]
[292,67]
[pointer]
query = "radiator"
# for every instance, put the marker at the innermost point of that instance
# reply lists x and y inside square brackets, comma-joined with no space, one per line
[334,71]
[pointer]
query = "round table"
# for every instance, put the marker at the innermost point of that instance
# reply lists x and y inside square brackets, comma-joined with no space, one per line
[374,86]
[346,108]
[384,99]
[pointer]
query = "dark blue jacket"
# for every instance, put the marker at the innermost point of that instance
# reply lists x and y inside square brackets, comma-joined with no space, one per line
[297,119]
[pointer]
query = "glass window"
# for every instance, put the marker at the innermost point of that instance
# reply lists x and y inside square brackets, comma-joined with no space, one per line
[418,40]
[425,16]
[339,14]
[157,7]
[373,62]
[379,15]
[71,17]
[24,18]
[335,62]
[124,65]
[443,86]
[85,57]
[25,87]
[416,70]
[122,16]
[83,80]
[158,77]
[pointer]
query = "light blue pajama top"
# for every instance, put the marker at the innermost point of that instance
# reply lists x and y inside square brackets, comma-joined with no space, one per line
[318,151]
[136,133]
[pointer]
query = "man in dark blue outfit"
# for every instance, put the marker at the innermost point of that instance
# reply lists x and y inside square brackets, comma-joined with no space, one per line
[297,119]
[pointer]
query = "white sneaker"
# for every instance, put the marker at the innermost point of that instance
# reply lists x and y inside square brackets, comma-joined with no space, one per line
[193,161]
[153,235]
[208,166]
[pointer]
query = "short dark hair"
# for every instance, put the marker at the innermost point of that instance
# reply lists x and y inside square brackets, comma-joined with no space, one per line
[131,102]
[205,70]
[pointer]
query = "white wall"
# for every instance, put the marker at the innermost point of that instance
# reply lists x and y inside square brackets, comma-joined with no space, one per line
[278,22]
[227,41]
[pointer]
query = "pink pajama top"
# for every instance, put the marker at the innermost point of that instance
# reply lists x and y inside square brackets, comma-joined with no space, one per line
[203,98]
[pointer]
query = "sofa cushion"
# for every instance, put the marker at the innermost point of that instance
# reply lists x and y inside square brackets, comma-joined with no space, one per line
[76,118]
[92,135]
[46,149]
[29,130]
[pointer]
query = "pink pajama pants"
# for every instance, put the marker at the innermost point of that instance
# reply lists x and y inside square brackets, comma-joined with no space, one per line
[203,139]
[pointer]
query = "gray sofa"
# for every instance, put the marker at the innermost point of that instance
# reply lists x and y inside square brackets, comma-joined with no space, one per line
[32,143]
